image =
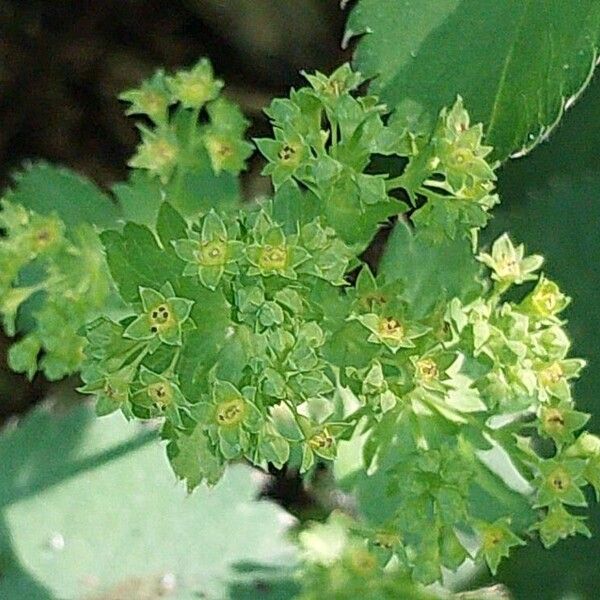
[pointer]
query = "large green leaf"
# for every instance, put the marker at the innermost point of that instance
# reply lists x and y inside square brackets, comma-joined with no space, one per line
[430,271]
[47,189]
[135,259]
[517,63]
[90,509]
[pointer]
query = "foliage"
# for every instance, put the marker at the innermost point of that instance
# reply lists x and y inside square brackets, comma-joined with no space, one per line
[440,378]
[53,276]
[517,66]
[101,518]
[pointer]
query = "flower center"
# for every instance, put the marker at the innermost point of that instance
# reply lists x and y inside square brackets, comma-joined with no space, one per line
[559,480]
[213,253]
[273,257]
[554,420]
[322,440]
[160,393]
[546,299]
[160,317]
[152,102]
[508,266]
[391,328]
[552,374]
[492,537]
[195,89]
[289,154]
[461,156]
[230,412]
[163,153]
[427,369]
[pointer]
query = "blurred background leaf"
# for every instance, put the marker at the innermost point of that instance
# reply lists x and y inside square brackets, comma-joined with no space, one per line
[90,509]
[515,64]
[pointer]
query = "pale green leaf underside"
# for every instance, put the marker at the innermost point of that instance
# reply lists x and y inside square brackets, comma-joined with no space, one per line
[517,64]
[91,509]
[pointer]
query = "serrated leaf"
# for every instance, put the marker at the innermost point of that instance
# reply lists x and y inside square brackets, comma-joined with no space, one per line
[194,462]
[197,190]
[170,225]
[136,260]
[429,271]
[516,64]
[47,189]
[139,198]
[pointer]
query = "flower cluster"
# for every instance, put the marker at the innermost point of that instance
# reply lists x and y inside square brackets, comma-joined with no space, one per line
[268,387]
[57,282]
[447,177]
[324,139]
[442,377]
[189,119]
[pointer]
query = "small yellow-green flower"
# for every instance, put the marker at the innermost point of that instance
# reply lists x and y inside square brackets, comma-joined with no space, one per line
[158,153]
[559,421]
[276,254]
[391,331]
[211,253]
[152,98]
[160,395]
[230,418]
[164,313]
[287,153]
[196,87]
[508,262]
[560,480]
[553,378]
[546,300]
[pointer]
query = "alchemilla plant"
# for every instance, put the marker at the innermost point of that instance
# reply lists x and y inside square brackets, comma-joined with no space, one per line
[436,380]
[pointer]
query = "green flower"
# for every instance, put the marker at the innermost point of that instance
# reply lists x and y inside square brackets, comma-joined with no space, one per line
[287,154]
[508,263]
[559,481]
[560,421]
[163,316]
[227,152]
[459,151]
[196,87]
[391,331]
[553,377]
[430,369]
[158,153]
[276,255]
[230,418]
[112,390]
[496,541]
[210,254]
[152,98]
[320,441]
[330,256]
[546,300]
[559,524]
[160,395]
[329,89]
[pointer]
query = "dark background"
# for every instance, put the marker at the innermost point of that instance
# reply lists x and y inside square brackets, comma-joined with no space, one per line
[63,62]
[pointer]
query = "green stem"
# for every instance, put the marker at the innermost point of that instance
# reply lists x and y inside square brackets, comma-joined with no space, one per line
[394,183]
